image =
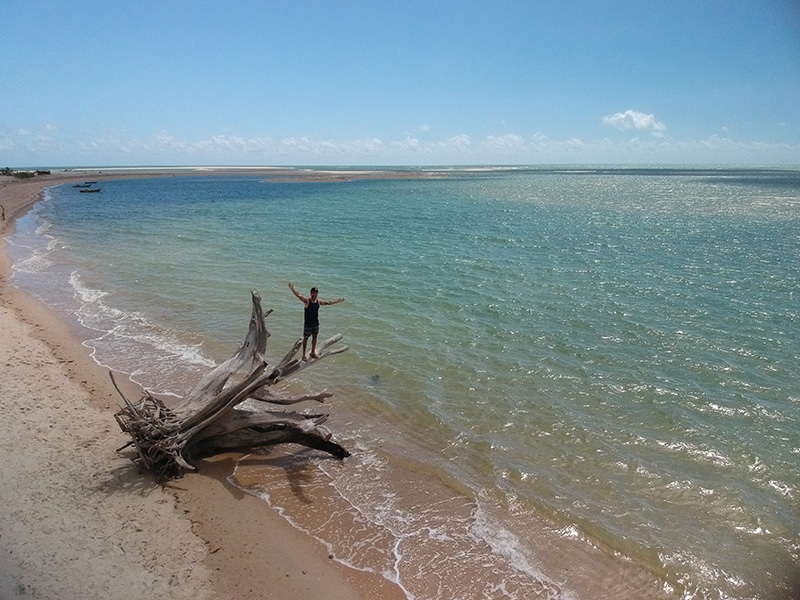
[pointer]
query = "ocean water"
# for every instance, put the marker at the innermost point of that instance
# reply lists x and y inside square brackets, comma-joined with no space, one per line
[561,383]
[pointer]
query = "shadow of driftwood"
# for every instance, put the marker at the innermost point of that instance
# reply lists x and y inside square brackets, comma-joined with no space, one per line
[296,466]
[125,477]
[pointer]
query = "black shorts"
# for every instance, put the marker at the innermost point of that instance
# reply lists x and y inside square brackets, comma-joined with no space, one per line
[307,331]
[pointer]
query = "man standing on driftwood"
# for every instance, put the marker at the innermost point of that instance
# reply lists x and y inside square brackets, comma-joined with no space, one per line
[311,319]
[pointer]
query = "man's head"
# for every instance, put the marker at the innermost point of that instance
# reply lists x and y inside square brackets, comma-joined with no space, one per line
[314,292]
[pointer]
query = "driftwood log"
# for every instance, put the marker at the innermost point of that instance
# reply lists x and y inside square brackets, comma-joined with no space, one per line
[210,420]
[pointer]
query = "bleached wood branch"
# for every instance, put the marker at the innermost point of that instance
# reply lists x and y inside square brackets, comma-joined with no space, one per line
[209,419]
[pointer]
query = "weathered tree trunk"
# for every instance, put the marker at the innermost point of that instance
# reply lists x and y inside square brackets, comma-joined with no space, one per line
[209,419]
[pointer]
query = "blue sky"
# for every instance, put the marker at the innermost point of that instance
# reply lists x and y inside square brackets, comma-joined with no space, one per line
[90,83]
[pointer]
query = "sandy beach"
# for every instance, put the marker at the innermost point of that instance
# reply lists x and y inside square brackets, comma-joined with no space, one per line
[79,521]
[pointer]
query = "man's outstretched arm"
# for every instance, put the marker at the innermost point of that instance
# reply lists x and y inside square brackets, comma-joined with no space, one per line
[300,296]
[329,302]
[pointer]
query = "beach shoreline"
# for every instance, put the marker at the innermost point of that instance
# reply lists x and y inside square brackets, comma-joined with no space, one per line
[80,521]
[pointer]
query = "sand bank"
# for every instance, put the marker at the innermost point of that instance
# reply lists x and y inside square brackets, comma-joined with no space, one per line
[78,520]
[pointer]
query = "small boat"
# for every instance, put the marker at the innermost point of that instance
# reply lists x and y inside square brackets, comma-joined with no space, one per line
[89,190]
[82,185]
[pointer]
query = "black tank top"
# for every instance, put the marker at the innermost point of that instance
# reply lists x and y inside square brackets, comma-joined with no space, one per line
[312,314]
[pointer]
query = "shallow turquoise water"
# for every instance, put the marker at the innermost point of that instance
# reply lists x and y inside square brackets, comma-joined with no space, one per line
[604,361]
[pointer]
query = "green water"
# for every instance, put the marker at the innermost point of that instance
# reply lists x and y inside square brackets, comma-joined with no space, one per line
[606,359]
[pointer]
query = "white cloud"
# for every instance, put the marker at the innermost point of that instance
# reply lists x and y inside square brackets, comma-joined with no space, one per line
[20,146]
[461,143]
[218,143]
[506,143]
[631,119]
[366,146]
[300,147]
[409,144]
